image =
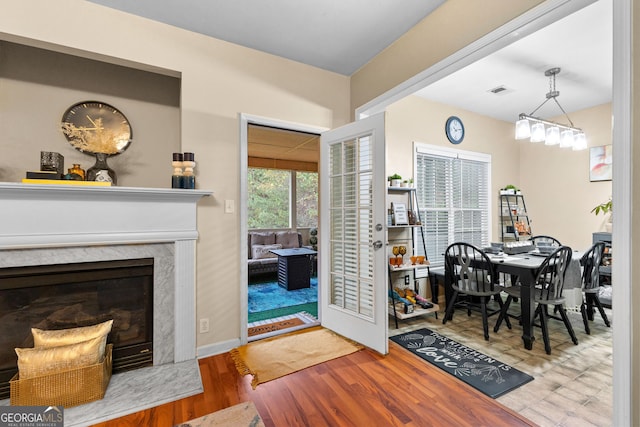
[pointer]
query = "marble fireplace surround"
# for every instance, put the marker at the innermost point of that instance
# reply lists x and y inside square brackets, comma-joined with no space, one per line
[45,224]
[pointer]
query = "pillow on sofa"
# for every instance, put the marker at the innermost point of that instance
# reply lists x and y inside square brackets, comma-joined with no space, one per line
[259,238]
[262,238]
[288,239]
[262,251]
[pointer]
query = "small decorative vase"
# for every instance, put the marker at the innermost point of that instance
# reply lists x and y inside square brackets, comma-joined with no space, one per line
[77,170]
[101,170]
[412,217]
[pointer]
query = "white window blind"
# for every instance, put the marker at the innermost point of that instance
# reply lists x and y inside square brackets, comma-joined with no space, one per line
[351,213]
[452,188]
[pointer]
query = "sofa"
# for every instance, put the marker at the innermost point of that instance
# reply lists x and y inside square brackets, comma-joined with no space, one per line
[260,260]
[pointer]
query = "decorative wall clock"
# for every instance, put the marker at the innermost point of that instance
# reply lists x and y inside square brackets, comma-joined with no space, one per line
[96,127]
[454,130]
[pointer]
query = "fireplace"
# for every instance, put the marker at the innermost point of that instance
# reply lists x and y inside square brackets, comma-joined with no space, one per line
[125,224]
[63,296]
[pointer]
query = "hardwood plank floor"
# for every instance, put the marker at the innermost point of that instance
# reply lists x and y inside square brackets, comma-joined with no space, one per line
[363,388]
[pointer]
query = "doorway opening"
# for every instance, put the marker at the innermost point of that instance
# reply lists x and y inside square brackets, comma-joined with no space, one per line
[282,230]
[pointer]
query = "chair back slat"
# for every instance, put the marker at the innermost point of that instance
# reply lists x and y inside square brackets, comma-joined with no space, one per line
[590,262]
[548,240]
[551,273]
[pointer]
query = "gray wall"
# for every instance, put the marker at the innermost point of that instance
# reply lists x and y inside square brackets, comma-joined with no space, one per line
[36,88]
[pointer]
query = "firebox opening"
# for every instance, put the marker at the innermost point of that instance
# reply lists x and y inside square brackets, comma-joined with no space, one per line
[64,296]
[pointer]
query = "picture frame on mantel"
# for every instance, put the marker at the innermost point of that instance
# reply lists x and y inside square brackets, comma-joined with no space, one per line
[600,163]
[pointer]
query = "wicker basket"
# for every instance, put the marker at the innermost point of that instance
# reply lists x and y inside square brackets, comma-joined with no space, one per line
[67,388]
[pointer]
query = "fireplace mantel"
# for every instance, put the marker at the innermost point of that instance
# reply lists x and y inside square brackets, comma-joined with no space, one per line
[52,217]
[52,224]
[34,215]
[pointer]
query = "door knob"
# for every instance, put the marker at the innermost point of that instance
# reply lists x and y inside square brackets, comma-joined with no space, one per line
[377,244]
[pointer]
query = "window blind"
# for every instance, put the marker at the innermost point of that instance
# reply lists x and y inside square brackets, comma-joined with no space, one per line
[452,189]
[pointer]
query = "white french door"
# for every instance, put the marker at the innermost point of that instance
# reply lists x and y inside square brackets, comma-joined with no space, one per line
[353,299]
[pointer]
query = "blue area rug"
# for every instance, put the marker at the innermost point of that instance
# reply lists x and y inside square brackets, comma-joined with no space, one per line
[270,296]
[482,372]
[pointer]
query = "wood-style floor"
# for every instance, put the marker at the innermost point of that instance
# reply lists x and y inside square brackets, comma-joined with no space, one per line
[362,389]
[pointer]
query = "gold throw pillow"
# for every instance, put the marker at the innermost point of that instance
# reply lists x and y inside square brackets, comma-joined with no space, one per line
[42,338]
[35,362]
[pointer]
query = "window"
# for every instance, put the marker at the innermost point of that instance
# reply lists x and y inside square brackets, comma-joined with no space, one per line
[452,188]
[306,199]
[270,201]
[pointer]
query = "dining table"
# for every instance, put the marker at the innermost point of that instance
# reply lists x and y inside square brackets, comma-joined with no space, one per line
[525,266]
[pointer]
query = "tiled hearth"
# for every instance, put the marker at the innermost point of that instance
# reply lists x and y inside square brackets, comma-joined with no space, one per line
[118,223]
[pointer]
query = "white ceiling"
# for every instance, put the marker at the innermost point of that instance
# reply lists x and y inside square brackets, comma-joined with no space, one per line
[343,35]
[581,44]
[336,35]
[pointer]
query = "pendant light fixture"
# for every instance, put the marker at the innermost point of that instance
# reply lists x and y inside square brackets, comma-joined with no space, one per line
[538,130]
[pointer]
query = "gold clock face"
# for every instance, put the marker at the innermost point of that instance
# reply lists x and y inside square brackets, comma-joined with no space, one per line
[96,127]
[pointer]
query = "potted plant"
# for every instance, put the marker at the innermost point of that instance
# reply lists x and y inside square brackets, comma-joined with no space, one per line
[509,189]
[404,183]
[395,180]
[605,208]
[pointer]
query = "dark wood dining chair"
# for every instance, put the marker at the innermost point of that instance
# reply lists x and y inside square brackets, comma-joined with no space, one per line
[590,263]
[546,245]
[549,285]
[548,240]
[470,273]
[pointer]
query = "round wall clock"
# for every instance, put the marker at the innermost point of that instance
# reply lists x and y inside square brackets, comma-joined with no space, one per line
[96,127]
[454,130]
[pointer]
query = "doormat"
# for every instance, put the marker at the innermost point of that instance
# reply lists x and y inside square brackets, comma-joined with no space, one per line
[275,357]
[280,325]
[275,326]
[311,308]
[482,372]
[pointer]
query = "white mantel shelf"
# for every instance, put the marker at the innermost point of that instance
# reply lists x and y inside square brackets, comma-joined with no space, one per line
[77,192]
[33,215]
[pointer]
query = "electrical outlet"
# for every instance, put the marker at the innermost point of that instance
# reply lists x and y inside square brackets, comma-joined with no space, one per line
[406,279]
[204,325]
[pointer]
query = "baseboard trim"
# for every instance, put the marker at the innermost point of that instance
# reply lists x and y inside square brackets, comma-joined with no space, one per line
[217,348]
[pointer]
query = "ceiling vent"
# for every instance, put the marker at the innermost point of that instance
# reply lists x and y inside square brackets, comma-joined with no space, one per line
[500,90]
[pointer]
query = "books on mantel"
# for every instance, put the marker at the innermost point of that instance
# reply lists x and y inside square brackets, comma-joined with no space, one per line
[53,177]
[43,175]
[66,182]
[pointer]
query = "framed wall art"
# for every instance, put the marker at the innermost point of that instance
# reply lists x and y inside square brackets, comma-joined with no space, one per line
[400,213]
[600,159]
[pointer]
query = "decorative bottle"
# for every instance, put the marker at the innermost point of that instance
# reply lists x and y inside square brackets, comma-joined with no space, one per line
[101,170]
[75,173]
[78,170]
[189,177]
[177,177]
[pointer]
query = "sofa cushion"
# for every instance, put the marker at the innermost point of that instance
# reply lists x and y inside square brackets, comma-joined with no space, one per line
[263,238]
[288,239]
[262,251]
[260,238]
